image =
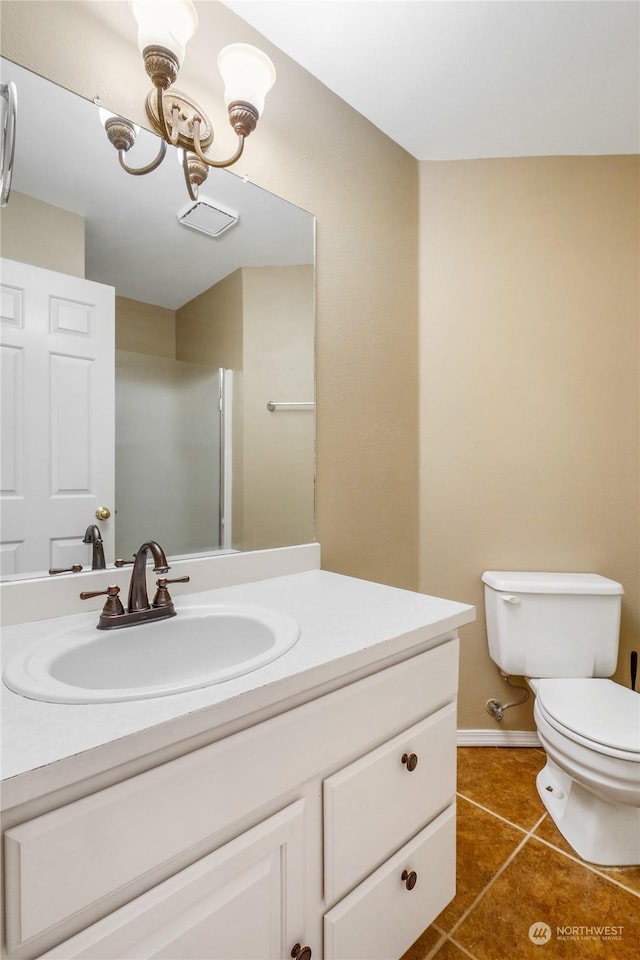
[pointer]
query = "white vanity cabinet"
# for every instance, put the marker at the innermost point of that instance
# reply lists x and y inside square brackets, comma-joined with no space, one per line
[330,825]
[243,900]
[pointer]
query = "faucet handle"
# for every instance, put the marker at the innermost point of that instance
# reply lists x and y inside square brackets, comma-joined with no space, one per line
[76,568]
[123,563]
[163,597]
[113,606]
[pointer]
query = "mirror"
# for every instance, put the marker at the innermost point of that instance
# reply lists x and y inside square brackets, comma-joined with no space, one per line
[200,426]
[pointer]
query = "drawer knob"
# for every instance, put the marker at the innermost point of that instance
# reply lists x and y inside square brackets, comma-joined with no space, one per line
[301,953]
[410,879]
[410,761]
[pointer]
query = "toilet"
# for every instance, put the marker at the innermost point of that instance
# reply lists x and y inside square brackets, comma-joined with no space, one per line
[560,631]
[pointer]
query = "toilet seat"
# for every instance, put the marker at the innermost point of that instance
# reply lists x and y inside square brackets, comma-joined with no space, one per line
[594,712]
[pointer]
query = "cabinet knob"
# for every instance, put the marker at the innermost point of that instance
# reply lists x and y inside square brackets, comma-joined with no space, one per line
[410,879]
[299,952]
[410,761]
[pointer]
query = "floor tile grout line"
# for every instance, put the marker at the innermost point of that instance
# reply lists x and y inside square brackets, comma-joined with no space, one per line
[445,938]
[437,945]
[576,858]
[462,949]
[589,866]
[498,815]
[487,886]
[458,946]
[498,873]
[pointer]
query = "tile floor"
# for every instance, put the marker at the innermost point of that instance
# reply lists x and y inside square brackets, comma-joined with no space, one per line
[515,869]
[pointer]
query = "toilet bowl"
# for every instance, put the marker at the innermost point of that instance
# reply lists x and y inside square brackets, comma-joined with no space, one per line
[590,731]
[563,630]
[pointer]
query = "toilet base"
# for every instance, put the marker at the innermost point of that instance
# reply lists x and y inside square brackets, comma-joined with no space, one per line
[602,833]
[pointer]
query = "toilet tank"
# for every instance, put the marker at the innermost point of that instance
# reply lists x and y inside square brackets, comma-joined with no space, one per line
[552,624]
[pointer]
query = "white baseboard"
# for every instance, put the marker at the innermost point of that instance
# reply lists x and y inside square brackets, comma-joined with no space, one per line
[498,738]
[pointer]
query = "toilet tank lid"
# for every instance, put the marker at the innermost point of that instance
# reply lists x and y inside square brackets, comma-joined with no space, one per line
[510,581]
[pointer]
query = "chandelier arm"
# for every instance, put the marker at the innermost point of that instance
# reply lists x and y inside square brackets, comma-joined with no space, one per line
[215,163]
[138,171]
[170,135]
[191,188]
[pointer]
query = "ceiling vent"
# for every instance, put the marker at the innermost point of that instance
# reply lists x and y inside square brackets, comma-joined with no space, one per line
[205,216]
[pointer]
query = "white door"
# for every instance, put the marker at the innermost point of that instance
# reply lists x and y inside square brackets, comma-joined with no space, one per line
[244,901]
[57,416]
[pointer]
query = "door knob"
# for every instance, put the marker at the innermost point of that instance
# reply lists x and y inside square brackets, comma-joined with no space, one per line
[103,513]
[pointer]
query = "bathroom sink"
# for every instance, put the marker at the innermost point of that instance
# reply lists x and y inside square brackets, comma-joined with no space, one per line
[199,647]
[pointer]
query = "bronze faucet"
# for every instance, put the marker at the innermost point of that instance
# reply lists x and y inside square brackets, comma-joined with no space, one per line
[139,610]
[138,599]
[92,535]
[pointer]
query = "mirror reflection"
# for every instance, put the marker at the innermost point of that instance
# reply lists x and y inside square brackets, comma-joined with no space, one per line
[158,380]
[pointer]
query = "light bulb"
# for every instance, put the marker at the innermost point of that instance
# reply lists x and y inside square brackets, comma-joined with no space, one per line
[165,23]
[248,74]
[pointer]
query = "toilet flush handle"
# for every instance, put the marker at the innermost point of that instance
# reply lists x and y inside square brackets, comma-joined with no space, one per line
[509,598]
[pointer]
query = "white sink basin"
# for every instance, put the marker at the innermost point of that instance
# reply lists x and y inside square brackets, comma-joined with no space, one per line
[198,647]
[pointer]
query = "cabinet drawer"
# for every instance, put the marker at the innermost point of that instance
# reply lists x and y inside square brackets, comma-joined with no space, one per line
[381,918]
[376,804]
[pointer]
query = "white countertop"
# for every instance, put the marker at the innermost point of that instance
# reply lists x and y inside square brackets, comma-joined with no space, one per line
[347,625]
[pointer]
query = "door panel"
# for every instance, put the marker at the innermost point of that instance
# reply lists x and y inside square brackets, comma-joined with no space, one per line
[57,338]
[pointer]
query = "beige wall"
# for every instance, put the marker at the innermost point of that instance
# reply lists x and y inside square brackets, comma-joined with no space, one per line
[315,151]
[278,446]
[259,321]
[26,228]
[529,385]
[145,328]
[209,327]
[209,331]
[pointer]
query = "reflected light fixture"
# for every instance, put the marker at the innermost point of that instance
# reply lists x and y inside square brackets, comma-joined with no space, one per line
[164,29]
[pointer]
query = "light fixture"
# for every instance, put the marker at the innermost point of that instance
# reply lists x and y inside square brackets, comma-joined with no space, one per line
[164,29]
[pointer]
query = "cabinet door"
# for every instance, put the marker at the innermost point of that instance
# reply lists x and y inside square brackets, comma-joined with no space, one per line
[244,901]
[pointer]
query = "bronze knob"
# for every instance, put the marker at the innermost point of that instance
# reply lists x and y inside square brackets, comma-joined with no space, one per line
[163,597]
[410,879]
[301,953]
[410,760]
[103,513]
[109,592]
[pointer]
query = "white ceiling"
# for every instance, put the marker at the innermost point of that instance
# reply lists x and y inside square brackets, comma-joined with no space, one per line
[446,79]
[460,79]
